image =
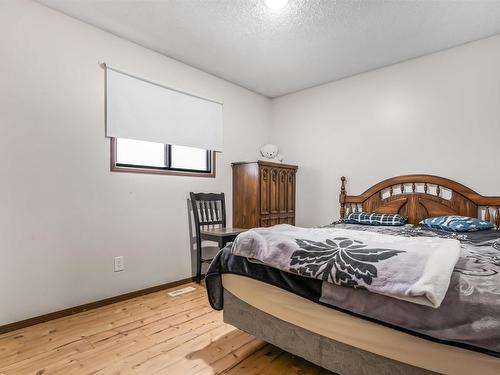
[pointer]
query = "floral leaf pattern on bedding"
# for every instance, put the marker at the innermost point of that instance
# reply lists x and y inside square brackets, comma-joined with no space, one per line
[480,264]
[340,260]
[478,269]
[496,245]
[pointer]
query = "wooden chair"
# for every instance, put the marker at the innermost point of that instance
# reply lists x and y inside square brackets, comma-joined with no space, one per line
[209,212]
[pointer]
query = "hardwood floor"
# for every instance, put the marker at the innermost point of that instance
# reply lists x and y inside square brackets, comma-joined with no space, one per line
[152,334]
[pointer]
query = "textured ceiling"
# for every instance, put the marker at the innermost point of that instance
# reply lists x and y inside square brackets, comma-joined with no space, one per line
[307,43]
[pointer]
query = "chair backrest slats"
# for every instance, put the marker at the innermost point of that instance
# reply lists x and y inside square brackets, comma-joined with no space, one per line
[208,209]
[204,211]
[201,211]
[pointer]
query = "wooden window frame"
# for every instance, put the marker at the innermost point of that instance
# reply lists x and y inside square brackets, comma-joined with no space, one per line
[159,170]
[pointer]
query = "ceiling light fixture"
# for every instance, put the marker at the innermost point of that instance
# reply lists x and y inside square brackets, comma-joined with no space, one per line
[276,4]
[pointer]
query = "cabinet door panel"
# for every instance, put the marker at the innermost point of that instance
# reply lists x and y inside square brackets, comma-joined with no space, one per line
[274,191]
[290,192]
[264,190]
[245,195]
[286,219]
[264,221]
[273,221]
[282,188]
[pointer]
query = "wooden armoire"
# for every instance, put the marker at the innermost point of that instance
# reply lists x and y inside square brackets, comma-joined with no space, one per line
[263,194]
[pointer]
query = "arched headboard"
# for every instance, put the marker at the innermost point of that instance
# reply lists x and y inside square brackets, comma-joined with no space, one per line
[419,197]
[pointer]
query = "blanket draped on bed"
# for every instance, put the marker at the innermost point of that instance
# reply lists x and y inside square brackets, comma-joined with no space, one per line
[469,316]
[417,269]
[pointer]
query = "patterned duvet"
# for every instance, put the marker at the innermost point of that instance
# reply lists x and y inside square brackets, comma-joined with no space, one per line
[469,315]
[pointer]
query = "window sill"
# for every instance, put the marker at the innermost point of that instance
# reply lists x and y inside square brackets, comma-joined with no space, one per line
[115,168]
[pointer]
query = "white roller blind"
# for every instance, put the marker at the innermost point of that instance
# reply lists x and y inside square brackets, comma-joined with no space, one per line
[147,111]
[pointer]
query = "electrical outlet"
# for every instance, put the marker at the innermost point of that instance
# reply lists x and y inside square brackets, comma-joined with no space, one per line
[119,264]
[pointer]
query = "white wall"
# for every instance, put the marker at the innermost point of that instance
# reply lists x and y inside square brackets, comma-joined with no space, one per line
[438,114]
[63,214]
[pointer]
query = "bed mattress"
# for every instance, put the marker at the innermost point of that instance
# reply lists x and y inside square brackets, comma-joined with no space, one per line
[360,333]
[469,317]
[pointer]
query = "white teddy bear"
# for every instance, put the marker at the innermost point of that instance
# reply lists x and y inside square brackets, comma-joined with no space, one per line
[269,151]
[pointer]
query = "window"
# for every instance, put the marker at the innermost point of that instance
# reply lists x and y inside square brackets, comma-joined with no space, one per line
[129,155]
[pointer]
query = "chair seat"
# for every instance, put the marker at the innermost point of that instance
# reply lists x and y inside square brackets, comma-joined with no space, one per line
[222,232]
[221,235]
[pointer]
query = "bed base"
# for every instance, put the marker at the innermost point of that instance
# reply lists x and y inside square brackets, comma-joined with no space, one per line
[330,354]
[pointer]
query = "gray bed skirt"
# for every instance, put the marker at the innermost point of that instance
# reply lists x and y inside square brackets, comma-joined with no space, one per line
[325,352]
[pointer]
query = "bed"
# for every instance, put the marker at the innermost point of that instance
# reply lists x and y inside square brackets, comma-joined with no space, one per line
[354,331]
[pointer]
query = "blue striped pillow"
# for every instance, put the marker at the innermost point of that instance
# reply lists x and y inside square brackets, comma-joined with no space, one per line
[457,223]
[369,218]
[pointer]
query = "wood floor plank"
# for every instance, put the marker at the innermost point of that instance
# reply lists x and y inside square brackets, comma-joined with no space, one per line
[146,335]
[256,363]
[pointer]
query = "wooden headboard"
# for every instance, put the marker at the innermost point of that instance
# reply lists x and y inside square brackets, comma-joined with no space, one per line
[419,197]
